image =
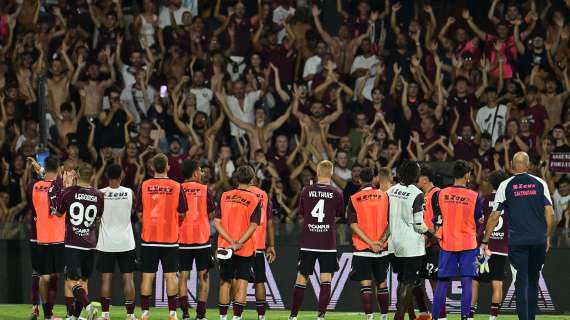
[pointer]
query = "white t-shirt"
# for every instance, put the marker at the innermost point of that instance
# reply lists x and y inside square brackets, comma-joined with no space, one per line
[560,203]
[247,114]
[128,74]
[405,241]
[203,97]
[344,174]
[312,66]
[164,16]
[129,95]
[485,119]
[362,62]
[116,231]
[280,14]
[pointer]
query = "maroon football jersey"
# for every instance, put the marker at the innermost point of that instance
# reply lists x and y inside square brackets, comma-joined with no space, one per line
[320,205]
[499,240]
[81,207]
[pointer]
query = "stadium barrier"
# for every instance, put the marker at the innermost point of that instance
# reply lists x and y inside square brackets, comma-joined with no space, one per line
[15,271]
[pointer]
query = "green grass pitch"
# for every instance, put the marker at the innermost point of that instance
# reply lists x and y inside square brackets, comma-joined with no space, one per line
[22,312]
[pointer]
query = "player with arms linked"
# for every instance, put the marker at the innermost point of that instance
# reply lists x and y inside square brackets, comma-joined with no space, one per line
[367,215]
[195,238]
[408,232]
[236,220]
[499,247]
[50,232]
[457,213]
[264,238]
[161,204]
[83,206]
[116,244]
[320,205]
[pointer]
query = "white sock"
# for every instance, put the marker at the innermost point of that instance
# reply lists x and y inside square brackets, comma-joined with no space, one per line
[492,317]
[105,314]
[145,313]
[370,316]
[173,313]
[384,317]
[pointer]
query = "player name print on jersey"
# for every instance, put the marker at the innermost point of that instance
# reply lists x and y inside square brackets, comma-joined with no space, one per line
[338,281]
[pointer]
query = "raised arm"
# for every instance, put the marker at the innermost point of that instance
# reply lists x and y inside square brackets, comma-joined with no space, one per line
[517,36]
[110,60]
[277,123]
[340,9]
[404,102]
[325,35]
[93,14]
[339,109]
[393,19]
[282,94]
[467,16]
[491,13]
[221,97]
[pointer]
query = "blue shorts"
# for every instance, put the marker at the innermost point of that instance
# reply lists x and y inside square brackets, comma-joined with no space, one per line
[454,264]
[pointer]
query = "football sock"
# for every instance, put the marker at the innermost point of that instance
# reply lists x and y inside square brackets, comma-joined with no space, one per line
[466,293]
[366,298]
[495,309]
[298,296]
[383,297]
[35,289]
[183,302]
[420,297]
[48,310]
[145,303]
[223,309]
[172,302]
[443,312]
[52,289]
[130,306]
[70,305]
[78,307]
[201,309]
[260,306]
[80,295]
[472,311]
[439,296]
[105,302]
[324,297]
[238,308]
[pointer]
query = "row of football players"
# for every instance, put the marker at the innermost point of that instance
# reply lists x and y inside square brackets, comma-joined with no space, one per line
[242,237]
[175,231]
[422,231]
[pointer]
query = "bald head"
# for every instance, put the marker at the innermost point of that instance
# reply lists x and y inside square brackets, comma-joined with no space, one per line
[521,162]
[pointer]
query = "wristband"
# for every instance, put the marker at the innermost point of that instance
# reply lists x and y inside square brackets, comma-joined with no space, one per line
[484,242]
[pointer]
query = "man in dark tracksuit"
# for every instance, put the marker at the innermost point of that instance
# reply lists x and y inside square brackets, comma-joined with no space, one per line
[526,201]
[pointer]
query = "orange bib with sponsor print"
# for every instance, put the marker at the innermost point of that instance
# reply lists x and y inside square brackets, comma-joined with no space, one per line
[371,207]
[237,206]
[196,226]
[49,228]
[428,210]
[458,231]
[260,234]
[160,217]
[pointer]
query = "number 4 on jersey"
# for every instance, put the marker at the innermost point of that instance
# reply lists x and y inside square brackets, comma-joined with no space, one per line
[319,211]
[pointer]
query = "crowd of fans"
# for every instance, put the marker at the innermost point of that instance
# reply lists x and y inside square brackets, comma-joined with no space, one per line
[281,85]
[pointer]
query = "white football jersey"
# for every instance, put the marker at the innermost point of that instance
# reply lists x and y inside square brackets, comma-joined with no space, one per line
[116,231]
[404,202]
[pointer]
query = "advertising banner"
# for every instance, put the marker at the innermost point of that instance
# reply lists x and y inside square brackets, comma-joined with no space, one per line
[553,298]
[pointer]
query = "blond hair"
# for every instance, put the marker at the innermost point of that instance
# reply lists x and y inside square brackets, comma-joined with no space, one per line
[325,169]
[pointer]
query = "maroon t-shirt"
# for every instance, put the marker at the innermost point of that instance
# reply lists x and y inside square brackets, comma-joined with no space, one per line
[536,115]
[81,207]
[463,106]
[499,240]
[175,164]
[465,150]
[320,205]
